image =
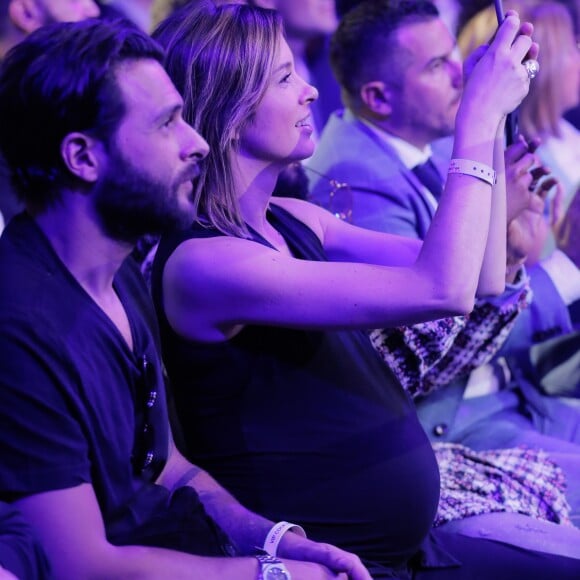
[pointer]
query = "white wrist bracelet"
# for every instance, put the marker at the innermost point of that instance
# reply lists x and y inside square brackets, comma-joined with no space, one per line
[473,168]
[275,535]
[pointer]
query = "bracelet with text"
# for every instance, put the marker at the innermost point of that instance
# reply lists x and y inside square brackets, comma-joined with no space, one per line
[473,168]
[275,535]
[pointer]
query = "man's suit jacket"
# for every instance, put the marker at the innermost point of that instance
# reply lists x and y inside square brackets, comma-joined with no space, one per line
[386,196]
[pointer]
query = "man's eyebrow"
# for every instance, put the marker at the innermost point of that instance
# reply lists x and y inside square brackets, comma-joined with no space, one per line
[169,111]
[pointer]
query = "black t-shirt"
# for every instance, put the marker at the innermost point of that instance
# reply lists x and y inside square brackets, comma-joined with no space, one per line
[75,400]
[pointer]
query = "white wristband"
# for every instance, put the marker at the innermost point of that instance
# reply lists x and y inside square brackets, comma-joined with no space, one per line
[275,535]
[473,168]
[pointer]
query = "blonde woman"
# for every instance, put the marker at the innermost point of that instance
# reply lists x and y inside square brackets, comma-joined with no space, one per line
[264,303]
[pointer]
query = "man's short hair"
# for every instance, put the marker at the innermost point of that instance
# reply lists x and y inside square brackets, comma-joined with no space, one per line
[61,79]
[364,46]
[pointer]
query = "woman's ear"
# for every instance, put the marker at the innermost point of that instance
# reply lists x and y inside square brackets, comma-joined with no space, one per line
[376,97]
[83,156]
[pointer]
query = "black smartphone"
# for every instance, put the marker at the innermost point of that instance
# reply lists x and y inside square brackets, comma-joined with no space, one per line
[512,128]
[499,11]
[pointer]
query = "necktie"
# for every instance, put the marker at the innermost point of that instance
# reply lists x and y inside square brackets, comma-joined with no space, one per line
[429,176]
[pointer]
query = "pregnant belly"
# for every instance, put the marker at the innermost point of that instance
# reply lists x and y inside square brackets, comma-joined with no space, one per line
[374,492]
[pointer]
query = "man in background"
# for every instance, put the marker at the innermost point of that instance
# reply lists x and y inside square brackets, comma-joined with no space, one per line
[18,18]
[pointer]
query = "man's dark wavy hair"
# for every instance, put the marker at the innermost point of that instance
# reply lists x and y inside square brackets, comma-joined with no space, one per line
[61,79]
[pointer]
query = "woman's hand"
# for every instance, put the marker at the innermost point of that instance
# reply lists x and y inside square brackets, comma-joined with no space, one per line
[496,80]
[295,547]
[526,236]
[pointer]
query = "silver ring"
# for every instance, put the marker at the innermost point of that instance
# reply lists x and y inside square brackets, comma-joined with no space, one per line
[532,67]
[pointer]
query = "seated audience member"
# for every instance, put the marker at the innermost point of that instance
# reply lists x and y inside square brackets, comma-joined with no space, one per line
[82,398]
[264,304]
[515,466]
[554,364]
[397,106]
[18,18]
[555,91]
[20,554]
[397,135]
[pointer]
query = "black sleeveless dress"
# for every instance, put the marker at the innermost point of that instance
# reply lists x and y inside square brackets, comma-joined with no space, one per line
[310,427]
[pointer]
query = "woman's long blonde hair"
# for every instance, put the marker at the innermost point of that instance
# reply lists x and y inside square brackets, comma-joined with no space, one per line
[541,111]
[220,59]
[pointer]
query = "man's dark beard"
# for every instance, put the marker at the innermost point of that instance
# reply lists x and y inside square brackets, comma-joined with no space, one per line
[131,204]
